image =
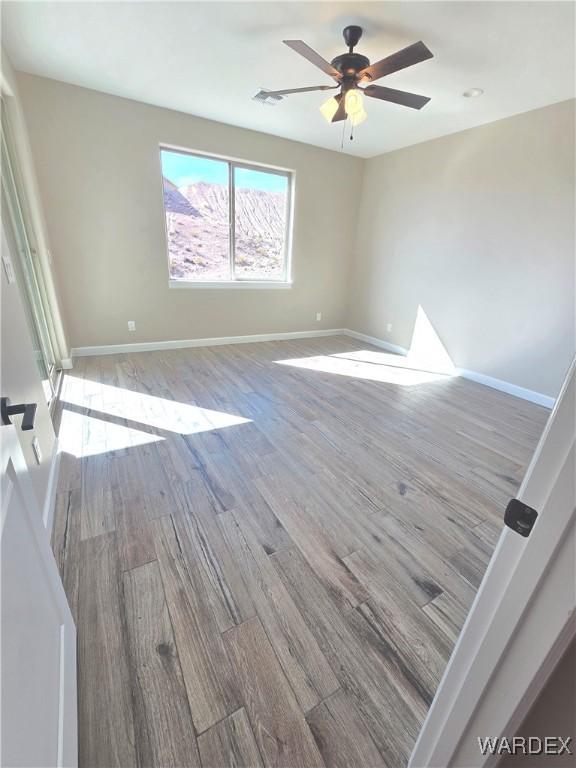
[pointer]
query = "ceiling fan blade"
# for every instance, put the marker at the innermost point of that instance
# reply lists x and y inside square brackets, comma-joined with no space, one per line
[314,58]
[397,97]
[340,113]
[264,94]
[413,54]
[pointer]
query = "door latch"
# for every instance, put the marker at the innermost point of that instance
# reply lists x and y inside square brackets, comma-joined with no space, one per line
[28,411]
[520,517]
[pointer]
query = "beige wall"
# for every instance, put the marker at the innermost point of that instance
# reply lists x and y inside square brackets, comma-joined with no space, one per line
[552,714]
[98,168]
[478,229]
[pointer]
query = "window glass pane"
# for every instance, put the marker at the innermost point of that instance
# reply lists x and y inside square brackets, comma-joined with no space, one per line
[260,210]
[197,216]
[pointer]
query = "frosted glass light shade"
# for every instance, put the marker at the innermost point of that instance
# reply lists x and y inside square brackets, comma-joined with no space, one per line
[329,108]
[354,102]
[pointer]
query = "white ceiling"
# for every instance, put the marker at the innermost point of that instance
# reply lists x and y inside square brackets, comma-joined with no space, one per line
[209,58]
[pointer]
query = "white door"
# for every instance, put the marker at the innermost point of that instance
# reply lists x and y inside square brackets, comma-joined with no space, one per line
[38,715]
[522,619]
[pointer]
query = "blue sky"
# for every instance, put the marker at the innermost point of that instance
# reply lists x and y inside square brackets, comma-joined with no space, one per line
[186,169]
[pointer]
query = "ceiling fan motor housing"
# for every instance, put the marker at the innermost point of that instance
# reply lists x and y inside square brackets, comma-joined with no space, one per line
[350,63]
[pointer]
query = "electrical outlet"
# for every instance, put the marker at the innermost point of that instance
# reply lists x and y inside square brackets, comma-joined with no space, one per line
[131,325]
[37,450]
[389,327]
[318,316]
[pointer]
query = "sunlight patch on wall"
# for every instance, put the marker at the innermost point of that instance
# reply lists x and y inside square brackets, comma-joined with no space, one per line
[426,350]
[150,410]
[427,360]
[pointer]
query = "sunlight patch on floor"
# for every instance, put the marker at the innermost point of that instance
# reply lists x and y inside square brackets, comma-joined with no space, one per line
[157,412]
[88,436]
[370,366]
[427,360]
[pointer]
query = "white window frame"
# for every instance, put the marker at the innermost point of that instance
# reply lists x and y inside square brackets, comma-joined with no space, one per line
[283,282]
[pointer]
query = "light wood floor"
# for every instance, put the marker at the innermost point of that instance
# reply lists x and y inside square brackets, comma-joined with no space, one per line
[269,564]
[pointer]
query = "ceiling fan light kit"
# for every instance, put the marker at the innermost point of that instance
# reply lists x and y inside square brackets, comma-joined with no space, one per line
[329,108]
[349,71]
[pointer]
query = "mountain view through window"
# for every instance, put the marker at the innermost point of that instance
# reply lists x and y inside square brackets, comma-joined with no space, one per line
[224,221]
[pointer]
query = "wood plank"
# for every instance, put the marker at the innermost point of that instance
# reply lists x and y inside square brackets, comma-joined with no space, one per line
[208,676]
[406,542]
[362,662]
[106,728]
[215,471]
[202,540]
[70,469]
[139,474]
[342,737]
[336,515]
[301,659]
[268,529]
[280,729]
[135,536]
[230,744]
[448,614]
[471,560]
[66,544]
[390,568]
[320,544]
[416,652]
[162,719]
[97,513]
[470,564]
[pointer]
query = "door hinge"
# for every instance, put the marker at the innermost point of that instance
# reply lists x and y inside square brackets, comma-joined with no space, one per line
[520,517]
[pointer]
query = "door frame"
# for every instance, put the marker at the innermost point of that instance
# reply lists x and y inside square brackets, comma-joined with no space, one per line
[520,604]
[23,254]
[29,197]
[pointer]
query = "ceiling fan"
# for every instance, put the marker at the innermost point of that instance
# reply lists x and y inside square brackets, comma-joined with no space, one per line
[351,69]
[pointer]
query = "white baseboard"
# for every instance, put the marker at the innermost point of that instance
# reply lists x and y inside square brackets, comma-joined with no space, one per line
[480,378]
[50,499]
[510,389]
[376,342]
[152,346]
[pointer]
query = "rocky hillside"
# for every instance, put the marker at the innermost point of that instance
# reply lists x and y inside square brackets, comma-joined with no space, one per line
[198,231]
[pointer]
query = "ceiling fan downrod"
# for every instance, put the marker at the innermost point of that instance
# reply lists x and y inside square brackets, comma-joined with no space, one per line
[348,64]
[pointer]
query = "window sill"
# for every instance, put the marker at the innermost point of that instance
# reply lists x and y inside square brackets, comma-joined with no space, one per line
[234,284]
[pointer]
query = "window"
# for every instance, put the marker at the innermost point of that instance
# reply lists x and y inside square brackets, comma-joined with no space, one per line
[226,222]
